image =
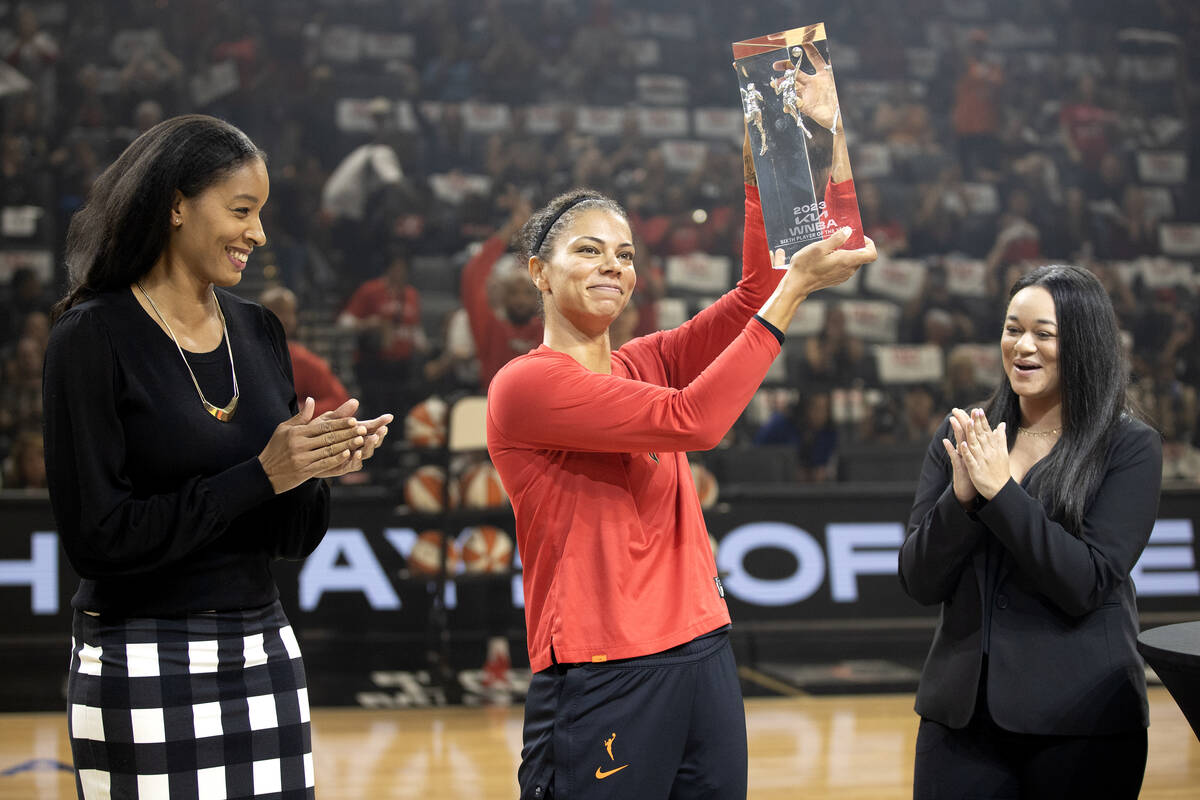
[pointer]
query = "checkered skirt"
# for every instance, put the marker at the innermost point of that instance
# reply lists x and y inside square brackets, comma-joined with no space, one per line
[212,706]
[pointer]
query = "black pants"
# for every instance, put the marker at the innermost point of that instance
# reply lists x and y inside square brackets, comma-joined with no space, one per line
[670,726]
[983,760]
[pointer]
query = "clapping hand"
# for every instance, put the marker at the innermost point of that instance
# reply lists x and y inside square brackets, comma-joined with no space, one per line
[376,431]
[984,452]
[332,444]
[964,490]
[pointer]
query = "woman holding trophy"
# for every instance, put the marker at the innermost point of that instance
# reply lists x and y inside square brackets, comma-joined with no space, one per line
[635,691]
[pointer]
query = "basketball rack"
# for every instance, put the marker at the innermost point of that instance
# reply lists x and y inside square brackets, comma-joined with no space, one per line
[466,432]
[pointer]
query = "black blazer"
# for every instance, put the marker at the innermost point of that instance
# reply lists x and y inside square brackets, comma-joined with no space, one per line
[1061,641]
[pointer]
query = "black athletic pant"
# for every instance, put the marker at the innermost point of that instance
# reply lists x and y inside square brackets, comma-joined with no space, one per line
[669,726]
[983,760]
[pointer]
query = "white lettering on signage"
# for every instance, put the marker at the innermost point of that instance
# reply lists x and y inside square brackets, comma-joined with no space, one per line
[1167,567]
[345,562]
[860,548]
[39,572]
[360,573]
[800,585]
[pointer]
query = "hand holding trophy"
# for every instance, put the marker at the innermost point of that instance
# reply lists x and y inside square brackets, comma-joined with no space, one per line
[814,94]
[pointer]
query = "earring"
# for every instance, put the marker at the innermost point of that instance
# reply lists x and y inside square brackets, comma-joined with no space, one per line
[177,221]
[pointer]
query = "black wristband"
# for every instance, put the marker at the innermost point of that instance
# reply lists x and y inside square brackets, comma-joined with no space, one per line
[778,334]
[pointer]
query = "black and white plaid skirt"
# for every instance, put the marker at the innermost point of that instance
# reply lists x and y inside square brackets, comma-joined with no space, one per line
[212,706]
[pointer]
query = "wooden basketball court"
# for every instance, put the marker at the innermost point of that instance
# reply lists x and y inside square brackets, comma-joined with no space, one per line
[851,747]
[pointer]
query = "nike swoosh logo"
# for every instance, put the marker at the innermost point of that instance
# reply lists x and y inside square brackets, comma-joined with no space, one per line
[601,774]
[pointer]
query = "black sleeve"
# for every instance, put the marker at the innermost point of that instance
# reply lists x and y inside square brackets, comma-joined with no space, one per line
[1078,574]
[105,529]
[941,533]
[296,520]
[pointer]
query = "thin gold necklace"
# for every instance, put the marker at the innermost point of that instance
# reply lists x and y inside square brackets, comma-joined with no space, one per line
[221,414]
[1039,434]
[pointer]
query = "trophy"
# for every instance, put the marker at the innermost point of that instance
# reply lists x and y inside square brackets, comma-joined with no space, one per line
[797,137]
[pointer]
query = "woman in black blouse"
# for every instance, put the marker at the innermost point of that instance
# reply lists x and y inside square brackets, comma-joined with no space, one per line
[1024,529]
[180,464]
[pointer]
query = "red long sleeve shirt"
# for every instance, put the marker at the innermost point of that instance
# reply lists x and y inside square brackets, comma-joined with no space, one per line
[616,557]
[402,310]
[841,208]
[314,378]
[497,340]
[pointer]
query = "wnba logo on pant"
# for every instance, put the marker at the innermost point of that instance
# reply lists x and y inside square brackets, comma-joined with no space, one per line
[601,772]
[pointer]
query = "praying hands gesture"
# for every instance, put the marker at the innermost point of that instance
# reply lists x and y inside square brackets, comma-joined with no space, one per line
[978,455]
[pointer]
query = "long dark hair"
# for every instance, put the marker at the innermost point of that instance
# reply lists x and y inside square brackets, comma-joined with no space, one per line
[538,234]
[1092,383]
[123,228]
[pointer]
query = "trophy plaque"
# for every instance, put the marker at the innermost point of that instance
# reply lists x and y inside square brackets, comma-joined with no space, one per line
[797,138]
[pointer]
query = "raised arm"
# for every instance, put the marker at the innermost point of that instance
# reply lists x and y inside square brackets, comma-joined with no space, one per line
[688,349]
[474,292]
[549,400]
[475,275]
[841,207]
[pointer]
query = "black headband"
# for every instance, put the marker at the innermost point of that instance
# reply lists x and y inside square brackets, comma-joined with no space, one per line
[546,230]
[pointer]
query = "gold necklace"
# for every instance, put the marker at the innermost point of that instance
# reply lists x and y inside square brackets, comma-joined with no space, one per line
[1039,434]
[221,414]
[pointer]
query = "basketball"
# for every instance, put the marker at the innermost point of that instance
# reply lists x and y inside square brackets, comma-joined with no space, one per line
[706,485]
[426,555]
[425,425]
[425,489]
[480,487]
[486,548]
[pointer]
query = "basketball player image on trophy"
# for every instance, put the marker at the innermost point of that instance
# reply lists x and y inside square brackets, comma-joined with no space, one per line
[805,182]
[785,85]
[752,111]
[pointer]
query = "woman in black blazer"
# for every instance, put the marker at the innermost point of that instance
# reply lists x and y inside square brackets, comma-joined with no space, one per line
[1024,528]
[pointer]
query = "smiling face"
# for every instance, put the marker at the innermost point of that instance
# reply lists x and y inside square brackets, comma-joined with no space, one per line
[1029,346]
[214,232]
[589,275]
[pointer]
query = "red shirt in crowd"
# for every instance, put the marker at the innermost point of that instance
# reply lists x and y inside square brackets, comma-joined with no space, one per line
[1087,127]
[401,310]
[497,341]
[314,378]
[976,105]
[616,555]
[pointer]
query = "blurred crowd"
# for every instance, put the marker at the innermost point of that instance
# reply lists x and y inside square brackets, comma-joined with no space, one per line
[407,140]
